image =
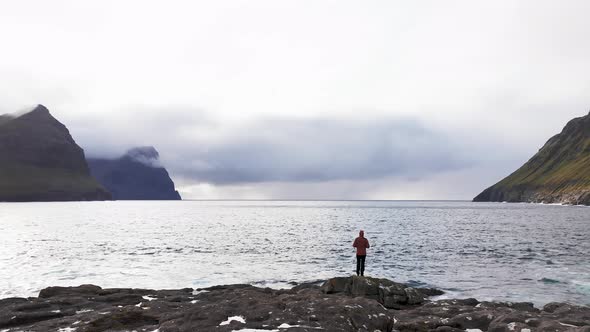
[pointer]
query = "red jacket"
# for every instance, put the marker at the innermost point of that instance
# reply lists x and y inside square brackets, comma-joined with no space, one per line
[361,244]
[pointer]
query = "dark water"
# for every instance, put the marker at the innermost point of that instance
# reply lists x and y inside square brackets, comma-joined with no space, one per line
[516,252]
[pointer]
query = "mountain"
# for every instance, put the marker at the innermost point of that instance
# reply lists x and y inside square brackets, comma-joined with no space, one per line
[137,175]
[558,173]
[40,161]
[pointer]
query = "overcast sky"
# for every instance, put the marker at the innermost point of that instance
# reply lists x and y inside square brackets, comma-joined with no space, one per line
[305,99]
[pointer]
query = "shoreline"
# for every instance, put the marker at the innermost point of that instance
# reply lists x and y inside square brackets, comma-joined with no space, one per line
[338,304]
[450,292]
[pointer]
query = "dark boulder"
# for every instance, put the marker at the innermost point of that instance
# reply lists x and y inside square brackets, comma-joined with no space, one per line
[87,290]
[390,294]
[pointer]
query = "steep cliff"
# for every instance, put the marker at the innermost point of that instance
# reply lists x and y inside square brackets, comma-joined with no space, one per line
[558,173]
[40,161]
[137,175]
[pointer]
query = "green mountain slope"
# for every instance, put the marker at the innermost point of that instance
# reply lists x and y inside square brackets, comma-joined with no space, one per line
[558,173]
[40,161]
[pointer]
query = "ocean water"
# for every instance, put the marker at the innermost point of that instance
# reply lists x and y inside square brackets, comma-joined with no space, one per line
[490,251]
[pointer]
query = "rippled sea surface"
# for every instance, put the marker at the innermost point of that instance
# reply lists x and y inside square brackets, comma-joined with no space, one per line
[516,252]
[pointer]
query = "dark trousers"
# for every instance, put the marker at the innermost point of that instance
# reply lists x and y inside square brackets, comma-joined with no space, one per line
[360,265]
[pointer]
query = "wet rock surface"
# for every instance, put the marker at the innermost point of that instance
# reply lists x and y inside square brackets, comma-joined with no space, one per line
[339,304]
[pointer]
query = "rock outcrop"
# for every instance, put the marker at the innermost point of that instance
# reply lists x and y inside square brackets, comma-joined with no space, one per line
[558,173]
[137,175]
[391,295]
[40,161]
[340,304]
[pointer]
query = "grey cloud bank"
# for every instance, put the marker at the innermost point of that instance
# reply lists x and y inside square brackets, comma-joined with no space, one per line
[328,158]
[322,150]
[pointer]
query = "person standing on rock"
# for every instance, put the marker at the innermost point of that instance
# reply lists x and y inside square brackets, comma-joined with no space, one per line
[361,244]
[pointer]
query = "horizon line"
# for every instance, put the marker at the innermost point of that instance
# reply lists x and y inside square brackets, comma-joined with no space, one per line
[327,200]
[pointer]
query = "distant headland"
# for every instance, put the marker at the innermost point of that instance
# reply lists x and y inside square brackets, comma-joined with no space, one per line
[558,173]
[40,161]
[137,175]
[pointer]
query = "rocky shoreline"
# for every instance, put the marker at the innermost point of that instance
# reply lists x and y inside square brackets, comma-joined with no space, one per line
[338,304]
[540,196]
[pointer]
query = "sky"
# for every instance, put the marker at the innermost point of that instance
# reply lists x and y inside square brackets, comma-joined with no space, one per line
[305,99]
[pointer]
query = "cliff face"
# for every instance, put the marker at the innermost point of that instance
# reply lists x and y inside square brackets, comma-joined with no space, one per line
[558,173]
[40,161]
[137,175]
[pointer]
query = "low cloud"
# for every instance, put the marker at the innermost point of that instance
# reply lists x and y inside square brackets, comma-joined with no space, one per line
[316,150]
[327,157]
